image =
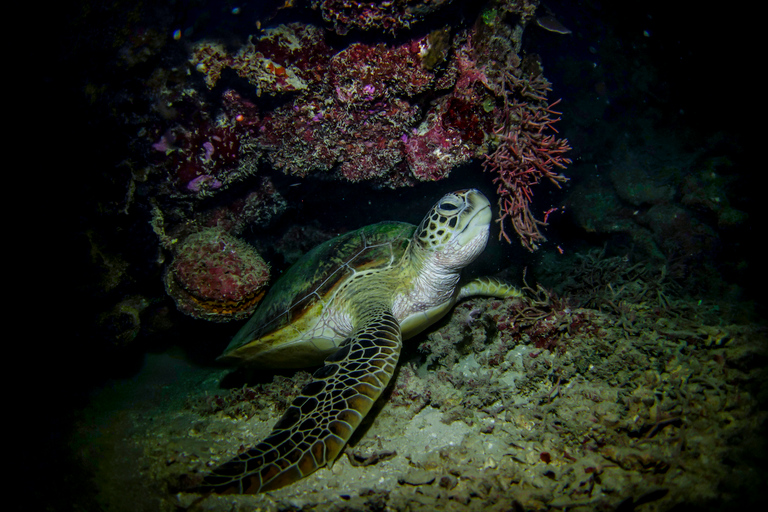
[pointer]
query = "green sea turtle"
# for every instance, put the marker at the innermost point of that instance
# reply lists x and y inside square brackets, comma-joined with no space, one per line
[350,302]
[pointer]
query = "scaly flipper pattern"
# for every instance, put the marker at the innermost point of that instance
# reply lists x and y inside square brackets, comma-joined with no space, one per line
[320,421]
[489,287]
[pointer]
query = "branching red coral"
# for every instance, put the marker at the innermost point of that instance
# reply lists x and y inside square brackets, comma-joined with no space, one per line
[525,155]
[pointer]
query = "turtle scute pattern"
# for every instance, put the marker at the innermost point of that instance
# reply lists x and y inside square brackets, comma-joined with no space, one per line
[320,421]
[317,277]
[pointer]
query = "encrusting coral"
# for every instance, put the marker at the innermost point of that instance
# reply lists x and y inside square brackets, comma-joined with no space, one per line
[214,276]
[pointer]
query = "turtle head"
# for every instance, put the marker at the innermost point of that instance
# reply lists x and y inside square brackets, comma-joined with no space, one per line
[456,228]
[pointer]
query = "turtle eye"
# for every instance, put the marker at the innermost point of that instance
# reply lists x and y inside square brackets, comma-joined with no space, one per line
[449,207]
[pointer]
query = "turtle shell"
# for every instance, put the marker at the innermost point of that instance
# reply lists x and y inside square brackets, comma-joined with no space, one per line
[295,302]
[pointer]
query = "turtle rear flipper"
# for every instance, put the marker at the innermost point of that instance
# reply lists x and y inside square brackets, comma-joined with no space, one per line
[320,421]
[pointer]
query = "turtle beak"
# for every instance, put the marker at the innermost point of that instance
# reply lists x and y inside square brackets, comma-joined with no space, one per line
[479,211]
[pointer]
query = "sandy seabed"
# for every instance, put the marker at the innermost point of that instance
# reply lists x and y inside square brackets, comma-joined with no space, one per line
[626,407]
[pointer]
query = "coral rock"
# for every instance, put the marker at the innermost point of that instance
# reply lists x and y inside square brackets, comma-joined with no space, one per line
[274,63]
[434,149]
[390,16]
[217,277]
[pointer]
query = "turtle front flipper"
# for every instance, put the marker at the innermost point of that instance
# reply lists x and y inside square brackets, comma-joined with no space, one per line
[490,287]
[320,421]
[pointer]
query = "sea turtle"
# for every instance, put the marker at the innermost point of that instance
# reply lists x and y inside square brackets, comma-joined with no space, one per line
[350,302]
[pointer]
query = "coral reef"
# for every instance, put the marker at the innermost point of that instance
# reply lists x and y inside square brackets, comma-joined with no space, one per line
[438,145]
[355,117]
[523,158]
[279,61]
[380,15]
[358,144]
[214,276]
[199,155]
[258,207]
[525,153]
[360,112]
